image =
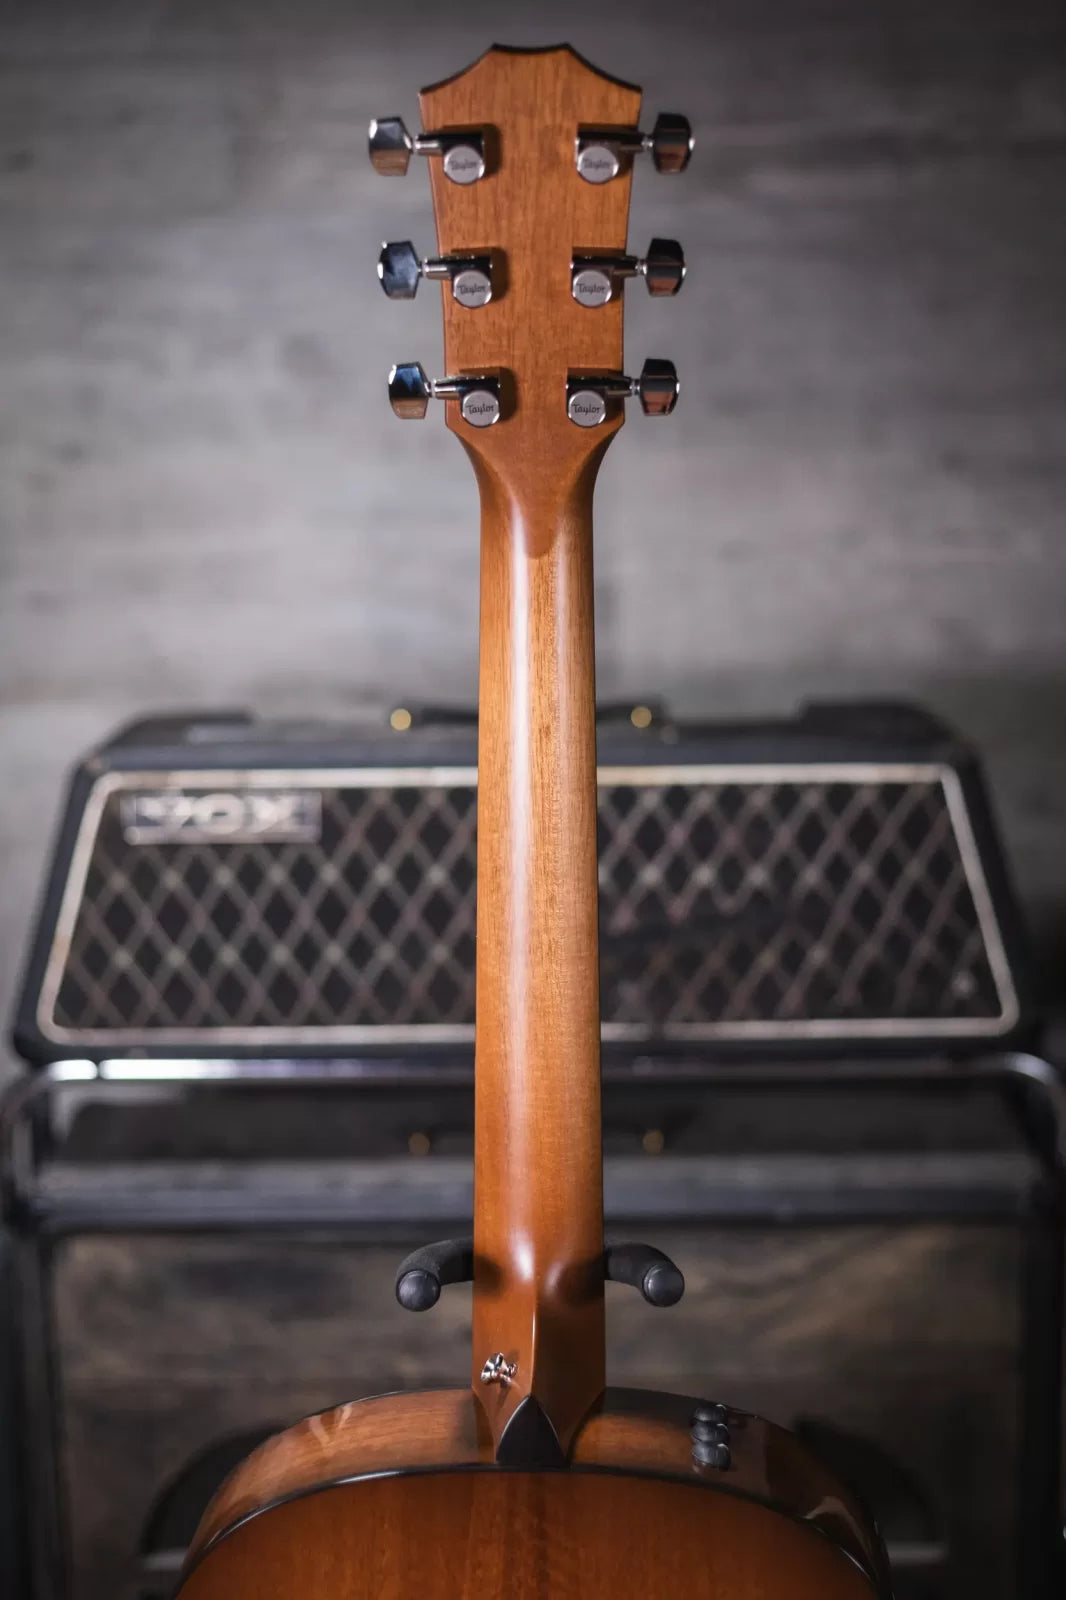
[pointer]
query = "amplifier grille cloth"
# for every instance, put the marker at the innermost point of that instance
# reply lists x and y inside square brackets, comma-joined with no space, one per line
[721,903]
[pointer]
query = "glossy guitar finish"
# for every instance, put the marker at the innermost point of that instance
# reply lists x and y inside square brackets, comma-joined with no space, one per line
[398,1496]
[538,1224]
[535,1482]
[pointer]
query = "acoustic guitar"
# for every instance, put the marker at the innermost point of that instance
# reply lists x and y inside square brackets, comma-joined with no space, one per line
[537,1482]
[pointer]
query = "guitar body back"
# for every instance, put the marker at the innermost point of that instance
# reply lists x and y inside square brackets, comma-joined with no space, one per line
[398,1499]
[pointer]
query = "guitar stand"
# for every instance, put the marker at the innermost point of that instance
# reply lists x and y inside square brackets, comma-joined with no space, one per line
[422,1274]
[34,1565]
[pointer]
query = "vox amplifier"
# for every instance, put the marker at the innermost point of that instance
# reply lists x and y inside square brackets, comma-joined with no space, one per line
[227,887]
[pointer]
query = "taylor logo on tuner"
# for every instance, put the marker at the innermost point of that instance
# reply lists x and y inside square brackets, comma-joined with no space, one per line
[222,816]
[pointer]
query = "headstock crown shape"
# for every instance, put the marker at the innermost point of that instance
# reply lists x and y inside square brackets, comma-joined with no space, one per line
[530,167]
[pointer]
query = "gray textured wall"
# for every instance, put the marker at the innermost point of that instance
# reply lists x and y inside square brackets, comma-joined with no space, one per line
[206,501]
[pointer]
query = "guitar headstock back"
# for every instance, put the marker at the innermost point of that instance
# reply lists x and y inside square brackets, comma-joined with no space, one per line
[516,213]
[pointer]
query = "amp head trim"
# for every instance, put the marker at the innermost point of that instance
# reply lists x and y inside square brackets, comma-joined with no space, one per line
[902,1032]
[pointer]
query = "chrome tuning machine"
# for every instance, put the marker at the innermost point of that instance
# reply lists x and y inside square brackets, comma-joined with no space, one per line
[400,270]
[600,152]
[410,392]
[588,395]
[594,279]
[391,147]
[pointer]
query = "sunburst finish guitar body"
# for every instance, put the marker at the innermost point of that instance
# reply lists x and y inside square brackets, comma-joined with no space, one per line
[537,1482]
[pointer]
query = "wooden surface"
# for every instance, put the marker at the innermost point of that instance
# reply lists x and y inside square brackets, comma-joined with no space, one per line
[538,1211]
[416,1431]
[535,210]
[549,1536]
[538,1187]
[630,1431]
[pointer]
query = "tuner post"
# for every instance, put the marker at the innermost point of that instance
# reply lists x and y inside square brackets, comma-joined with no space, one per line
[478,394]
[589,395]
[470,276]
[391,147]
[595,279]
[600,153]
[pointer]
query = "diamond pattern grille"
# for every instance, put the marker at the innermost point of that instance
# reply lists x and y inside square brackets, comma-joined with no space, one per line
[775,901]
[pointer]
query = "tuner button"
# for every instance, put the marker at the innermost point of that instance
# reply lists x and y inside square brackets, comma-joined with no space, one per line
[592,285]
[586,406]
[594,279]
[464,161]
[480,405]
[587,395]
[599,152]
[664,267]
[472,287]
[658,388]
[390,146]
[670,142]
[399,270]
[410,391]
[462,154]
[598,162]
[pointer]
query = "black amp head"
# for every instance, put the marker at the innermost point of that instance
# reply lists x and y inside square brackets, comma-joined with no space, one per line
[225,887]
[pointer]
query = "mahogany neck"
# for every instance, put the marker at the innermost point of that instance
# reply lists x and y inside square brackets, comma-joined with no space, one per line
[538,1199]
[538,1183]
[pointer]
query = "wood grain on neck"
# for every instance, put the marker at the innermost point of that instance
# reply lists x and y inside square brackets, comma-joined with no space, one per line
[538,1163]
[538,1288]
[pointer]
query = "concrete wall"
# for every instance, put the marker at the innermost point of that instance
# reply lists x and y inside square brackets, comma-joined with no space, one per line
[206,501]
